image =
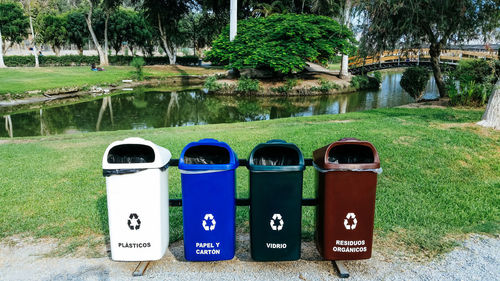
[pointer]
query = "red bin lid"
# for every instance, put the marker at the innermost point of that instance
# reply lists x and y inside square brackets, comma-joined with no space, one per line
[347,153]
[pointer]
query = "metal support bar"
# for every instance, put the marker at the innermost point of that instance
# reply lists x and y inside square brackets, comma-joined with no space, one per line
[246,202]
[141,267]
[339,265]
[241,162]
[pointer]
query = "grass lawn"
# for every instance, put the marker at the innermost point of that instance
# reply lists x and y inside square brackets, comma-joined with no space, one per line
[441,175]
[18,80]
[335,66]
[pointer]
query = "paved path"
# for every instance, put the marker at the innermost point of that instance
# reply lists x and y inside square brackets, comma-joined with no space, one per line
[477,258]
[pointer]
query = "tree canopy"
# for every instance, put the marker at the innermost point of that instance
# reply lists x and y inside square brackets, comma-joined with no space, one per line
[282,43]
[13,24]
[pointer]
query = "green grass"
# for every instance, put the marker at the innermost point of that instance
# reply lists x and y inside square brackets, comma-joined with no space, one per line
[441,174]
[334,66]
[18,80]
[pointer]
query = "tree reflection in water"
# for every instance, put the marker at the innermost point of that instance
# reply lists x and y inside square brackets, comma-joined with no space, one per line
[151,108]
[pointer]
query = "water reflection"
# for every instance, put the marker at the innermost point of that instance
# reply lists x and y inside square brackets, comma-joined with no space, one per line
[146,108]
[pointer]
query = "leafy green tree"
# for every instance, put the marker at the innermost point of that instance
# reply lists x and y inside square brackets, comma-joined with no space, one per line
[165,15]
[282,43]
[414,81]
[13,26]
[129,26]
[53,31]
[411,23]
[78,34]
[200,29]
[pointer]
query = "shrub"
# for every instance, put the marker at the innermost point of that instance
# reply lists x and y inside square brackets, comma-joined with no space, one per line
[247,85]
[472,82]
[414,81]
[325,86]
[138,63]
[211,84]
[470,94]
[287,87]
[365,82]
[282,43]
[478,71]
[72,60]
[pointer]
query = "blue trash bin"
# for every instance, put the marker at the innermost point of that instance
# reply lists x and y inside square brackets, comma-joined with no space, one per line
[208,199]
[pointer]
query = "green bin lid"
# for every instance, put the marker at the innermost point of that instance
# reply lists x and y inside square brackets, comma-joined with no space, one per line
[276,156]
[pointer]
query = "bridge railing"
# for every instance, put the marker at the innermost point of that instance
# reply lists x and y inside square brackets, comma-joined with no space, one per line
[420,55]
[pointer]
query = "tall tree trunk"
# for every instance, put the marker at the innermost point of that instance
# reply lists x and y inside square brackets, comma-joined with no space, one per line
[35,52]
[57,50]
[102,58]
[344,65]
[491,117]
[2,64]
[233,19]
[170,49]
[106,48]
[435,52]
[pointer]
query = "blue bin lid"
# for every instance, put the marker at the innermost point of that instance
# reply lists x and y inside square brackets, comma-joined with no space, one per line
[208,150]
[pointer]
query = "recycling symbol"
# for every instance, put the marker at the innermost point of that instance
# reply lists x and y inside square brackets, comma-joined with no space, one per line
[276,218]
[208,226]
[134,223]
[352,217]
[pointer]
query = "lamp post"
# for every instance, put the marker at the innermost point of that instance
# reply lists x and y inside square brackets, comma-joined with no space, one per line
[233,19]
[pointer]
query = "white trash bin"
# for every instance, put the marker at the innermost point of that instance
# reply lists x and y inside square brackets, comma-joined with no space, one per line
[136,172]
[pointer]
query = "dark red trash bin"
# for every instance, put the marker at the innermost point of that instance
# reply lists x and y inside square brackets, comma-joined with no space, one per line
[346,179]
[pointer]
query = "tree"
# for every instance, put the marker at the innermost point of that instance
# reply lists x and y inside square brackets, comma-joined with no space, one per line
[103,57]
[108,6]
[130,27]
[282,43]
[165,16]
[32,12]
[53,31]
[200,29]
[77,32]
[13,27]
[491,117]
[411,23]
[121,24]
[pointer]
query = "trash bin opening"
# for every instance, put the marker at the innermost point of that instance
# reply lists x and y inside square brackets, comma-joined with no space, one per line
[276,156]
[350,154]
[207,155]
[131,153]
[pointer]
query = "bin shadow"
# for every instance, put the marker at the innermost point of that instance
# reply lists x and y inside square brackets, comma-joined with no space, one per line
[102,210]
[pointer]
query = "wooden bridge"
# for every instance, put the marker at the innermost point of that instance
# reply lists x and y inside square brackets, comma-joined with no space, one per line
[398,58]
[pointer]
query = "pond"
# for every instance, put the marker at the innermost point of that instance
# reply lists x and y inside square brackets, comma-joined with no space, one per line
[146,108]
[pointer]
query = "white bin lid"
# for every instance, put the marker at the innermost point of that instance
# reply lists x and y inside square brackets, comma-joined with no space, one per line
[161,155]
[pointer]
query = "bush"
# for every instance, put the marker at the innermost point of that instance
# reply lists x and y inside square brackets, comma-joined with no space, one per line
[470,94]
[325,86]
[478,71]
[365,82]
[287,87]
[414,81]
[138,63]
[472,82]
[211,84]
[282,43]
[247,85]
[72,60]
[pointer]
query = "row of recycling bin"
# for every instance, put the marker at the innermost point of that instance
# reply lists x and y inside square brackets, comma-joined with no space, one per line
[136,172]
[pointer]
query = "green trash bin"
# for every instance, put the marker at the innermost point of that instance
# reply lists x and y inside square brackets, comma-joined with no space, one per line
[276,172]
